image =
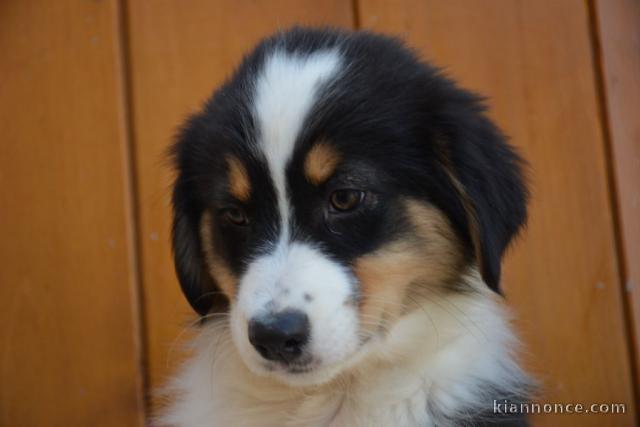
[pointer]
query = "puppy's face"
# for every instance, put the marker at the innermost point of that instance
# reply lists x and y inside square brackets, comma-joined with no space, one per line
[326,188]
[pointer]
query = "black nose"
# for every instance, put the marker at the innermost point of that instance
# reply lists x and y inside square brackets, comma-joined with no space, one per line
[280,336]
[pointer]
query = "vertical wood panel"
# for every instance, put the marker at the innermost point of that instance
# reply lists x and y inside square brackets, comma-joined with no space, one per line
[534,60]
[181,50]
[67,321]
[618,22]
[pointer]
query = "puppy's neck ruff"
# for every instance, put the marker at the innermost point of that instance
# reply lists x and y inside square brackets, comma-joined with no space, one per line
[443,363]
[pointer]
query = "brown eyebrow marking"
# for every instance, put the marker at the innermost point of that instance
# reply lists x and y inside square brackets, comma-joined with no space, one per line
[239,184]
[320,163]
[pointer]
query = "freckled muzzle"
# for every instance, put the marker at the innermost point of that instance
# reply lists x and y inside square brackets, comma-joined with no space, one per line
[289,319]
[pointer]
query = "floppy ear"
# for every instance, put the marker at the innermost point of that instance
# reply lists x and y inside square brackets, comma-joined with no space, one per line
[486,174]
[195,280]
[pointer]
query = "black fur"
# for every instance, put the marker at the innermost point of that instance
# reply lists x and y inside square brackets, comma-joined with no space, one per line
[403,130]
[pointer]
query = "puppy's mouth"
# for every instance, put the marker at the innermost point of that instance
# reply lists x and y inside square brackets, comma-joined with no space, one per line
[311,369]
[314,373]
[303,365]
[297,368]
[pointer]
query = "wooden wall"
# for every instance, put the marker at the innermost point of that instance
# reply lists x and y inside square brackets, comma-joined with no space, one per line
[618,49]
[92,92]
[69,329]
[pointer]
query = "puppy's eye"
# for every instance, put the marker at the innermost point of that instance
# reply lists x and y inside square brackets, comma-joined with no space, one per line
[235,216]
[346,200]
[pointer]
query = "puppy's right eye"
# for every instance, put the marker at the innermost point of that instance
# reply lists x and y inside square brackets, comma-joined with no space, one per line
[235,215]
[346,200]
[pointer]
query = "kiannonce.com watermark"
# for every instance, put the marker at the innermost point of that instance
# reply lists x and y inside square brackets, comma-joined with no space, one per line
[507,407]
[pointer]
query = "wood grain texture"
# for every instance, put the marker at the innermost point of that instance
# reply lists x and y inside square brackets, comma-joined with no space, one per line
[618,23]
[534,60]
[180,51]
[69,354]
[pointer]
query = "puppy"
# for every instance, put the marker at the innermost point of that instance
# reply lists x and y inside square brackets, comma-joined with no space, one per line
[340,213]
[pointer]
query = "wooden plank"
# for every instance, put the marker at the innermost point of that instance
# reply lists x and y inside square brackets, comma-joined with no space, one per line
[534,60]
[69,347]
[618,23]
[180,51]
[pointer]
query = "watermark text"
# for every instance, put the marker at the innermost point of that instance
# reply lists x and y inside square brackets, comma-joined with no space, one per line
[507,407]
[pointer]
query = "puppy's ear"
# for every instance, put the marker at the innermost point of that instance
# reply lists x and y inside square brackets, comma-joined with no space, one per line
[487,176]
[195,280]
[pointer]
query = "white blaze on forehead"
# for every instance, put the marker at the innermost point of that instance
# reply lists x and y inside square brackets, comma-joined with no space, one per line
[286,91]
[293,275]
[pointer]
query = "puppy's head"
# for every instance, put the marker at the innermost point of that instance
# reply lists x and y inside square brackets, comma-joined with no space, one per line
[332,177]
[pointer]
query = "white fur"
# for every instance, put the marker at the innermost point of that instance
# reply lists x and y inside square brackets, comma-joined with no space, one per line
[285,92]
[445,352]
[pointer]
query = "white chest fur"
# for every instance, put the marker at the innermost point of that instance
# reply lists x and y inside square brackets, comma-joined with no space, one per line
[434,364]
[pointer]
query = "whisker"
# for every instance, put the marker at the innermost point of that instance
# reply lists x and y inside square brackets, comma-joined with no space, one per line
[190,326]
[433,323]
[431,297]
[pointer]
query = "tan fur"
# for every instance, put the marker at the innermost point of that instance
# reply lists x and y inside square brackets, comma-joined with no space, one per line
[239,184]
[391,277]
[469,209]
[218,268]
[320,163]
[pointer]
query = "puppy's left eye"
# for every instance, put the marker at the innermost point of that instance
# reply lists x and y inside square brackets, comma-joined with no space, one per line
[346,200]
[235,216]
